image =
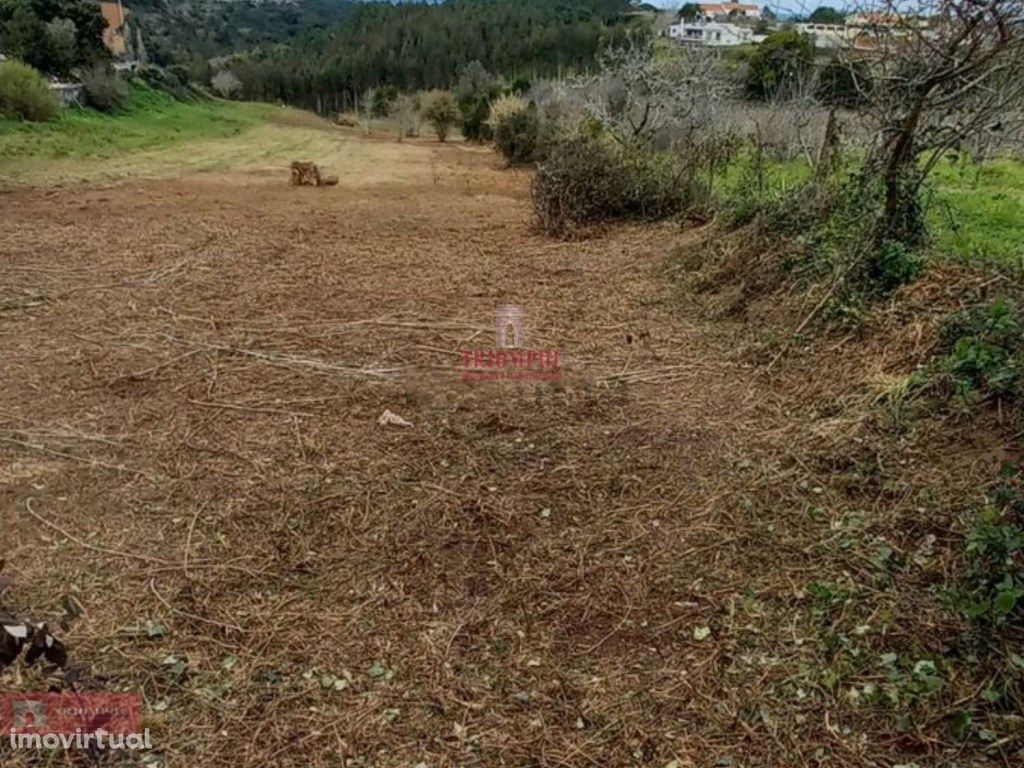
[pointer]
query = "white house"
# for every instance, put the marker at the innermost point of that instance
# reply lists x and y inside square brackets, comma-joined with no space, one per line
[710,33]
[826,35]
[712,11]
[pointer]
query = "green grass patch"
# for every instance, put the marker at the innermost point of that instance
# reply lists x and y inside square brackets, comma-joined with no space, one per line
[751,185]
[770,178]
[976,211]
[149,119]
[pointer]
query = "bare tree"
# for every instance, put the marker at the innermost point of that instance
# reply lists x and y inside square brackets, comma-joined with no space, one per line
[406,113]
[940,73]
[797,108]
[637,96]
[226,83]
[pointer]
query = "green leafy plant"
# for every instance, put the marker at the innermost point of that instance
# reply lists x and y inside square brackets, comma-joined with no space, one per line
[53,37]
[382,99]
[25,94]
[993,590]
[474,92]
[985,356]
[778,64]
[890,265]
[515,125]
[439,110]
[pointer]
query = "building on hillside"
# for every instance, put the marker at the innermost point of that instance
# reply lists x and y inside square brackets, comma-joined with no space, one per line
[826,35]
[711,11]
[873,19]
[710,33]
[68,94]
[115,36]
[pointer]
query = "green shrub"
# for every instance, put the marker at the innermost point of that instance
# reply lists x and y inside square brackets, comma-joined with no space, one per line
[778,63]
[381,100]
[507,106]
[473,113]
[55,36]
[588,178]
[519,86]
[889,265]
[104,89]
[515,125]
[173,80]
[25,94]
[985,352]
[474,92]
[439,110]
[993,585]
[179,72]
[831,226]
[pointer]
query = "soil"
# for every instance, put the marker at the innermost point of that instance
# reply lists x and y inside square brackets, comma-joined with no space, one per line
[610,569]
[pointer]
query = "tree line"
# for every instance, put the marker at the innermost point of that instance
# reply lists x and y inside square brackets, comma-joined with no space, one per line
[415,46]
[190,33]
[54,36]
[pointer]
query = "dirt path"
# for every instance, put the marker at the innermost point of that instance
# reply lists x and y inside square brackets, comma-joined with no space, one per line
[522,577]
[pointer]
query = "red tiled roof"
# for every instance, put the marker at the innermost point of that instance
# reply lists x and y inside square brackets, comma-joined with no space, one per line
[726,7]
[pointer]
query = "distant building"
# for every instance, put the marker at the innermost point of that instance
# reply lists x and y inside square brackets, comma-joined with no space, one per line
[116,33]
[710,33]
[825,35]
[872,19]
[68,94]
[711,11]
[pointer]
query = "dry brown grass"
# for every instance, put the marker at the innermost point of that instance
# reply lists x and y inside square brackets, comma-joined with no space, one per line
[263,149]
[189,439]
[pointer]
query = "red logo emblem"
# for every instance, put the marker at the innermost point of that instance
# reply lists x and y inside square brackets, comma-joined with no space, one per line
[70,713]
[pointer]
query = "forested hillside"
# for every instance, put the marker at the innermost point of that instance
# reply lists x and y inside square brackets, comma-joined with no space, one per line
[191,31]
[422,46]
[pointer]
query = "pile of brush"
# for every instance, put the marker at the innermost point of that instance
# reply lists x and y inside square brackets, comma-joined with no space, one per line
[17,636]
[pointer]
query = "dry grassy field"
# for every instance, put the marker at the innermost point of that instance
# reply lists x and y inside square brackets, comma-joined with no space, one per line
[616,569]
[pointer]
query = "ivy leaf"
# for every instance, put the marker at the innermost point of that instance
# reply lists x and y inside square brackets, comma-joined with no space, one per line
[961,723]
[174,664]
[1006,599]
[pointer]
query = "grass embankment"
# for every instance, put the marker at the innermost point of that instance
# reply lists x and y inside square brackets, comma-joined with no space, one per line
[975,210]
[153,134]
[149,119]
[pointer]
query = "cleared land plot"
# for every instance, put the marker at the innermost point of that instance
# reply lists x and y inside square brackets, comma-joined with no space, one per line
[624,569]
